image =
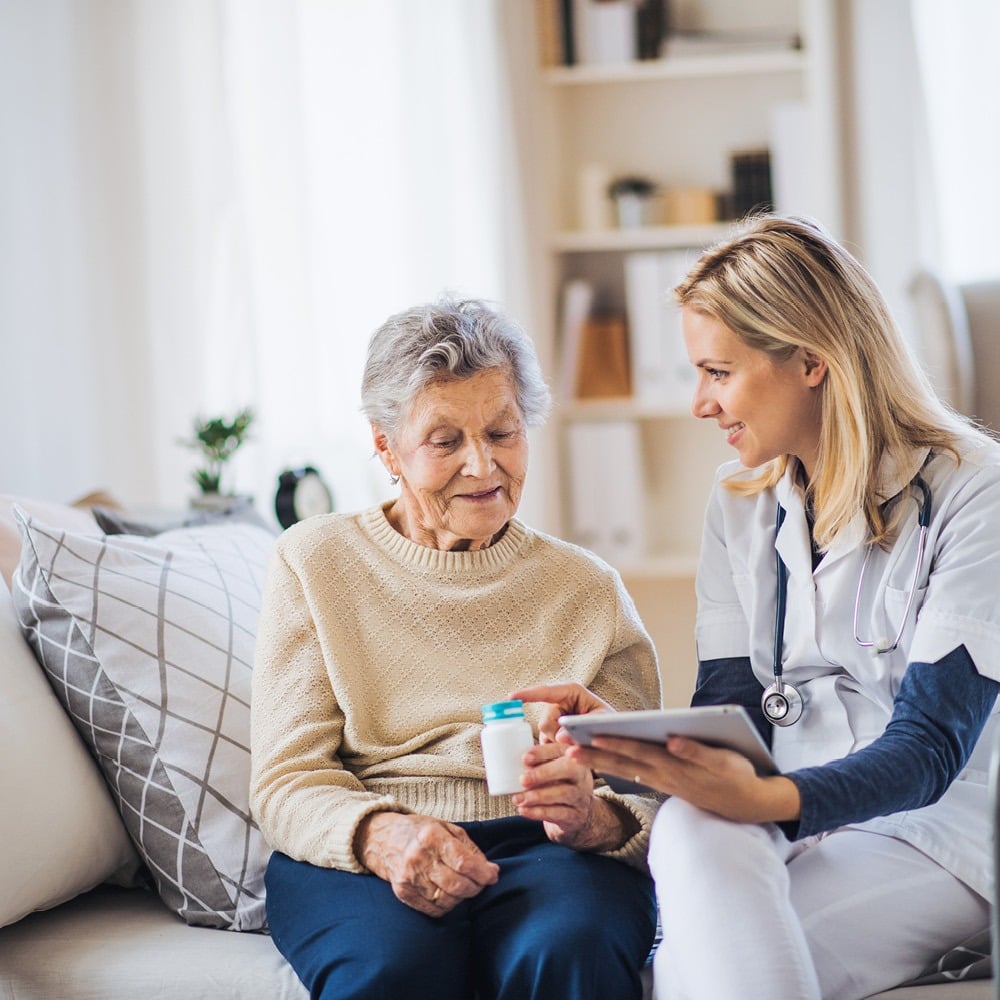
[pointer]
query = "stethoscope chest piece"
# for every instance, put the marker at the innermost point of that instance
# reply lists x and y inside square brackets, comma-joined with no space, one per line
[781,704]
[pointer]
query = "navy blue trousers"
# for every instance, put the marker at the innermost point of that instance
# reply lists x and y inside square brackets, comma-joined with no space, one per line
[558,925]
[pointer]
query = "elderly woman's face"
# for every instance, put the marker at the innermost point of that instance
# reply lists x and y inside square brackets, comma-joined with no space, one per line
[461,455]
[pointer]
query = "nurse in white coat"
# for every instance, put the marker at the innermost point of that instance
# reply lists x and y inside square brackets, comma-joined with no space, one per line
[872,669]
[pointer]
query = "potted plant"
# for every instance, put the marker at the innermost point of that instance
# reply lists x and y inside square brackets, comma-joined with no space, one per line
[631,195]
[217,439]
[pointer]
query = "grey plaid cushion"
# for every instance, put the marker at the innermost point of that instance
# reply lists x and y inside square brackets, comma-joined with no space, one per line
[148,644]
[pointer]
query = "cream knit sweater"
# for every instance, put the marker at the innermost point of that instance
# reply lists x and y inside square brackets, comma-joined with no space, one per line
[374,656]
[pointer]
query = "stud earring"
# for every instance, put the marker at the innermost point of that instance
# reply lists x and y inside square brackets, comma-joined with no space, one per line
[393,479]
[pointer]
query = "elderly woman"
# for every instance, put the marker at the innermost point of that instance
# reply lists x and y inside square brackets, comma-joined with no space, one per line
[382,633]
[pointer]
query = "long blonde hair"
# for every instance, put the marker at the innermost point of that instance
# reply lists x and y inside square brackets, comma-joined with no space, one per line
[781,284]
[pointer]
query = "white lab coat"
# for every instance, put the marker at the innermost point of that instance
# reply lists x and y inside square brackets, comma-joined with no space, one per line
[847,691]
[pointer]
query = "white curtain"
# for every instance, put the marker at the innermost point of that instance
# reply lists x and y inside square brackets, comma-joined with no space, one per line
[212,203]
[957,54]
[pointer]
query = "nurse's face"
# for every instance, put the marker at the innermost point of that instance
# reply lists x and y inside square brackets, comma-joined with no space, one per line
[765,408]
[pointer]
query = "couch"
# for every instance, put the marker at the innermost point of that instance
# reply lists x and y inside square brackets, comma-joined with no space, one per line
[131,867]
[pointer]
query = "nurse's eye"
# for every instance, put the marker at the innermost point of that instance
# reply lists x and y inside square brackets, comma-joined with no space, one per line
[715,374]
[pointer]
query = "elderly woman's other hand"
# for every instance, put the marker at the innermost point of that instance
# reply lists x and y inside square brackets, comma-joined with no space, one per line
[561,699]
[431,865]
[560,792]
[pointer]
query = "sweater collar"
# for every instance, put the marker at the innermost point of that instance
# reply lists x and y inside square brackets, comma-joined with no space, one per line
[399,546]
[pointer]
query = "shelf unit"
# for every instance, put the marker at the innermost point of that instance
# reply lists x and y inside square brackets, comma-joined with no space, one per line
[676,120]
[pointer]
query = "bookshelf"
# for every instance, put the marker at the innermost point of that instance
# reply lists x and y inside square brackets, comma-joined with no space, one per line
[678,120]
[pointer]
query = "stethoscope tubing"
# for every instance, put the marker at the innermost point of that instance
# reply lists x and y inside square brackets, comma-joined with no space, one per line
[781,602]
[787,692]
[924,520]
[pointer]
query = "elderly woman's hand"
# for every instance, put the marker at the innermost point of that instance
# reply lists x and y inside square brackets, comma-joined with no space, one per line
[561,699]
[431,865]
[560,792]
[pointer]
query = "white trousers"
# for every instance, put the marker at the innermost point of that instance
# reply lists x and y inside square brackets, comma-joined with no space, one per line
[748,915]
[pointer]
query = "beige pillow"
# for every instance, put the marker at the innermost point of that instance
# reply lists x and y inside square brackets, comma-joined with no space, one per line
[62,833]
[69,517]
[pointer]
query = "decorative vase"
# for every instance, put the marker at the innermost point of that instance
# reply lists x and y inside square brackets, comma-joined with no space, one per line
[221,503]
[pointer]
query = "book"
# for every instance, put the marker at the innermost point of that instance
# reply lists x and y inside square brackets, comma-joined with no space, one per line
[602,363]
[651,27]
[568,33]
[723,42]
[751,181]
[549,29]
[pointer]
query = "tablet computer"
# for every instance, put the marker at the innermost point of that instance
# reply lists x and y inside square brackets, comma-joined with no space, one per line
[717,725]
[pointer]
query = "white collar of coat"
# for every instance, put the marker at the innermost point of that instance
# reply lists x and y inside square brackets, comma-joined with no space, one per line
[893,477]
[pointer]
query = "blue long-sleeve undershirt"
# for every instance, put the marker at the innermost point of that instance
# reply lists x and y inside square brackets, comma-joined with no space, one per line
[938,714]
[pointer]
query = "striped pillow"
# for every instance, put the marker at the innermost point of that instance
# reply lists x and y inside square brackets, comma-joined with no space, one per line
[148,643]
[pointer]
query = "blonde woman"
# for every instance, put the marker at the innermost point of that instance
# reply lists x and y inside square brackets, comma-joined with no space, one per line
[847,597]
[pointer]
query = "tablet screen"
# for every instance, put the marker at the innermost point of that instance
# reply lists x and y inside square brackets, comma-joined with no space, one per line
[717,725]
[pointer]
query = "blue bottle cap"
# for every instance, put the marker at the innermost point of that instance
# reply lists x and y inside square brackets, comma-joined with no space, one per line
[497,710]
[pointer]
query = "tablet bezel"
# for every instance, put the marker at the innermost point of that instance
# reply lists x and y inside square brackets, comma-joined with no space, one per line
[727,726]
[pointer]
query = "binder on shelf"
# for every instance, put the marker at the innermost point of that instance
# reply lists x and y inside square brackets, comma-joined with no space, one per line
[661,371]
[605,32]
[606,503]
[792,173]
[577,300]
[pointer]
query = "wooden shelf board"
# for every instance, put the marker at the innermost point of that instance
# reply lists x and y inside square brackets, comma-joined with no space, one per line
[685,67]
[640,238]
[620,408]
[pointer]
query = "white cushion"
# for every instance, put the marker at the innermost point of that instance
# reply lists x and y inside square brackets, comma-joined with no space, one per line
[120,944]
[61,832]
[148,643]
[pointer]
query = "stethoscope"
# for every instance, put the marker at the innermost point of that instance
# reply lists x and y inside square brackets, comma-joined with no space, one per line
[781,702]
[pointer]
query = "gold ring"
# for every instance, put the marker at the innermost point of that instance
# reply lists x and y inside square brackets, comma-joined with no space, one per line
[437,894]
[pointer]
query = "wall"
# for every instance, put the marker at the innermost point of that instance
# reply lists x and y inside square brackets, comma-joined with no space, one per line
[71,413]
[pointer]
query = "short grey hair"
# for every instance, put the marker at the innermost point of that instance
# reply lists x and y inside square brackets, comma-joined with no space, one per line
[444,340]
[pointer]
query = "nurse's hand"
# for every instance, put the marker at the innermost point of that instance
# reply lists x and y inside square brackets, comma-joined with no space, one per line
[559,792]
[431,865]
[717,780]
[561,699]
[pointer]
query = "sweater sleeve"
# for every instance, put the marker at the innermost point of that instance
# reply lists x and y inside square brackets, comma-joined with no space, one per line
[629,679]
[938,714]
[306,803]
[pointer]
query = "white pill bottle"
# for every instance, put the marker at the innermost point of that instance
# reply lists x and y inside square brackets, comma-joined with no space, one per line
[505,737]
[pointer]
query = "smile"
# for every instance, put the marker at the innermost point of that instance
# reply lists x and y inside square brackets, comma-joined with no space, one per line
[732,431]
[484,495]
